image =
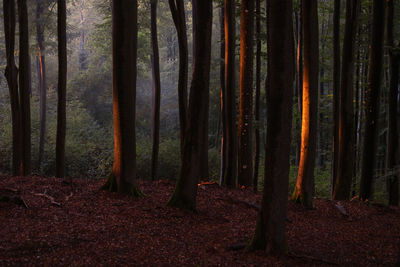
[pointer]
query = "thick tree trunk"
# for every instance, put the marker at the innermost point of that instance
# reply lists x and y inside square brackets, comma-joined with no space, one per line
[124,46]
[392,138]
[157,91]
[245,122]
[177,8]
[11,74]
[257,97]
[372,100]
[304,190]
[345,162]
[230,142]
[42,85]
[270,233]
[24,87]
[223,95]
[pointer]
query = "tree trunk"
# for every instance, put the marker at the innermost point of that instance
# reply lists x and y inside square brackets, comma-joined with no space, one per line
[345,158]
[304,190]
[270,233]
[299,80]
[157,91]
[11,74]
[372,101]
[124,47]
[223,95]
[392,138]
[230,141]
[245,122]
[24,87]
[82,53]
[42,84]
[257,99]
[178,15]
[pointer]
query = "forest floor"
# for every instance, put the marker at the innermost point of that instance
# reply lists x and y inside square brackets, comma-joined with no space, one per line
[49,222]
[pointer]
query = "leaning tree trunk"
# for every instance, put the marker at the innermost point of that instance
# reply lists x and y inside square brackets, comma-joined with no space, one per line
[392,138]
[11,74]
[124,47]
[372,101]
[24,87]
[304,190]
[178,15]
[270,233]
[196,139]
[155,64]
[345,158]
[245,121]
[62,87]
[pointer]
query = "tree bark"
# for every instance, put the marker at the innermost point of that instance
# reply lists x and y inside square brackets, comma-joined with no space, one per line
[11,74]
[223,95]
[299,79]
[245,121]
[372,101]
[124,47]
[270,233]
[345,158]
[196,137]
[392,138]
[304,190]
[157,91]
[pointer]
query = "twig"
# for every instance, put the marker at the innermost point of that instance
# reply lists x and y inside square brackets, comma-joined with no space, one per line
[49,198]
[312,259]
[69,196]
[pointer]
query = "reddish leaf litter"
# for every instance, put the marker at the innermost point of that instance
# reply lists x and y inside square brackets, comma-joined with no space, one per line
[77,224]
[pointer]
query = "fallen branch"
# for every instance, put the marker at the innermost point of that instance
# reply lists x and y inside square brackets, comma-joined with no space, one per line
[49,198]
[341,209]
[69,196]
[312,259]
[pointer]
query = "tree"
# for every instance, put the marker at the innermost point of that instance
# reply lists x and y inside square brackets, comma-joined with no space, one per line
[230,133]
[304,190]
[156,90]
[345,156]
[62,87]
[257,97]
[223,92]
[336,88]
[124,51]
[178,15]
[245,120]
[392,138]
[372,100]
[11,74]
[196,137]
[270,233]
[24,87]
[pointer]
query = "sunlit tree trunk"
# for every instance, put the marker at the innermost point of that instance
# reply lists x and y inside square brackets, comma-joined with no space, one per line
[304,190]
[245,121]
[230,142]
[257,97]
[392,142]
[124,47]
[11,74]
[196,138]
[24,87]
[372,100]
[178,14]
[270,233]
[345,158]
[157,91]
[42,85]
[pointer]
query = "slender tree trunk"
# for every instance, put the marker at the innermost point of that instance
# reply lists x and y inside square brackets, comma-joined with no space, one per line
[230,142]
[345,158]
[11,74]
[304,190]
[196,137]
[336,89]
[270,233]
[372,100]
[82,53]
[42,85]
[392,138]
[157,91]
[124,47]
[177,8]
[223,95]
[24,87]
[258,95]
[245,122]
